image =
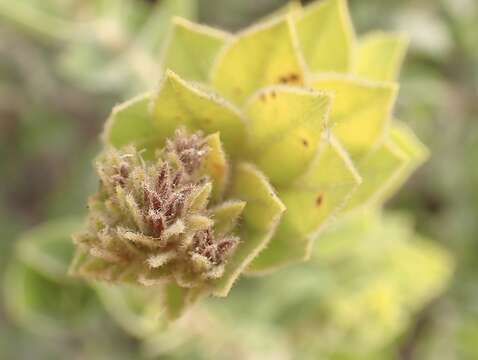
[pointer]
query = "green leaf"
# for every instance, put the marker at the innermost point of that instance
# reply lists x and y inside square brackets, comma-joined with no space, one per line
[311,201]
[42,304]
[285,123]
[260,218]
[130,123]
[192,48]
[380,55]
[361,109]
[135,309]
[262,55]
[30,17]
[407,141]
[179,103]
[387,168]
[326,36]
[177,300]
[416,154]
[381,170]
[226,215]
[48,248]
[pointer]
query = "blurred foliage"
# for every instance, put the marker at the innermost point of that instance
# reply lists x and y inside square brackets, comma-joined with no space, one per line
[57,87]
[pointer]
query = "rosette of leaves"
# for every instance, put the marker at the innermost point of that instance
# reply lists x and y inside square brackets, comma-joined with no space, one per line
[296,112]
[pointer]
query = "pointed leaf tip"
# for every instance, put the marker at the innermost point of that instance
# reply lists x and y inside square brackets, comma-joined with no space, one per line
[275,59]
[361,110]
[380,56]
[180,103]
[191,49]
[326,36]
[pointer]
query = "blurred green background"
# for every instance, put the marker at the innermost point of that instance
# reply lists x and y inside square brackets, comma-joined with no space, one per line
[65,63]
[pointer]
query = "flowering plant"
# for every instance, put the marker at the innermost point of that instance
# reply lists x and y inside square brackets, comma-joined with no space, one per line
[249,147]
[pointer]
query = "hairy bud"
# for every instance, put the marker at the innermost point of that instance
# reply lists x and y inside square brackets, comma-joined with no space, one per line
[150,221]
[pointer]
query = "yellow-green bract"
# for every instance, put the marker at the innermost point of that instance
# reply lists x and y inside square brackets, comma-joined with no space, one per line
[303,108]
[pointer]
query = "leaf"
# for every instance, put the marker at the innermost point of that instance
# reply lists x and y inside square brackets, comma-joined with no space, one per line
[285,123]
[262,55]
[387,168]
[381,170]
[215,166]
[226,215]
[200,199]
[42,304]
[260,218]
[326,36]
[158,23]
[179,103]
[311,201]
[417,153]
[135,309]
[48,248]
[361,109]
[38,21]
[380,55]
[177,300]
[408,142]
[192,48]
[131,123]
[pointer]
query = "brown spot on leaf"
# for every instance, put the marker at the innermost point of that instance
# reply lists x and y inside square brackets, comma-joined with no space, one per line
[273,94]
[292,78]
[319,200]
[305,142]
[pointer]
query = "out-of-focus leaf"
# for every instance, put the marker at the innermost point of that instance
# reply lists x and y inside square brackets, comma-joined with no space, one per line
[380,55]
[381,170]
[41,303]
[48,248]
[326,36]
[135,309]
[192,49]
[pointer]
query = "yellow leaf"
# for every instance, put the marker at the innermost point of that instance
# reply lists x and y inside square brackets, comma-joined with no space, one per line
[380,56]
[215,166]
[260,217]
[361,110]
[326,36]
[311,202]
[285,125]
[381,170]
[262,55]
